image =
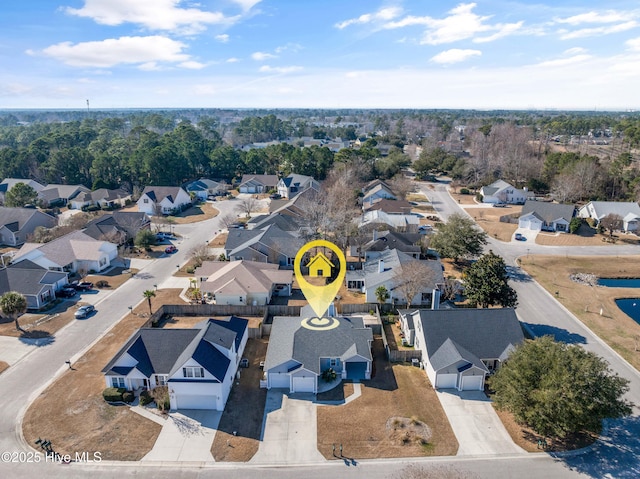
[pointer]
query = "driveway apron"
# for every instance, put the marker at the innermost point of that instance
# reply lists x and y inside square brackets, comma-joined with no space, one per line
[289,430]
[187,435]
[475,423]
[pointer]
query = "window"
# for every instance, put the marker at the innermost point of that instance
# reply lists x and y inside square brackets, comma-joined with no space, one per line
[193,372]
[161,380]
[333,362]
[118,382]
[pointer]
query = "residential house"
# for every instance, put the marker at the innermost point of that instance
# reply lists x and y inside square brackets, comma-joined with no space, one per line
[628,211]
[197,365]
[243,282]
[502,192]
[391,207]
[387,270]
[165,200]
[72,252]
[103,198]
[60,195]
[461,346]
[204,188]
[258,183]
[544,216]
[37,284]
[408,223]
[118,227]
[268,245]
[378,192]
[408,243]
[286,222]
[293,184]
[16,224]
[9,183]
[301,349]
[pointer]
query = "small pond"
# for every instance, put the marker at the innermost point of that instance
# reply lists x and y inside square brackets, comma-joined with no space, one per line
[630,307]
[619,282]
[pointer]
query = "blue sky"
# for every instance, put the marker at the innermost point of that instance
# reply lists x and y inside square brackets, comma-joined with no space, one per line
[320,54]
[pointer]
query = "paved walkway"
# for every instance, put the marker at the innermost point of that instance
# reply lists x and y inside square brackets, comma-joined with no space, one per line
[186,436]
[475,423]
[290,430]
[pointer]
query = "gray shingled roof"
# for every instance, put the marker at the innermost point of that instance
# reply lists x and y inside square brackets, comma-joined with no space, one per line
[27,278]
[19,216]
[289,340]
[604,208]
[405,242]
[548,212]
[485,333]
[158,193]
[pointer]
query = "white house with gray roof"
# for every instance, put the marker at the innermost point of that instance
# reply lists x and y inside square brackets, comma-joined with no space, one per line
[291,185]
[301,349]
[461,346]
[628,211]
[197,365]
[164,200]
[544,216]
[502,192]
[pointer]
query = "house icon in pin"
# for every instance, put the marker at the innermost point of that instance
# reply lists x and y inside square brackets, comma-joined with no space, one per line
[320,266]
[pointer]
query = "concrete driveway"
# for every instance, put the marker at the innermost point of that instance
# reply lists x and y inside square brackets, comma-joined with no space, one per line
[475,423]
[186,435]
[289,430]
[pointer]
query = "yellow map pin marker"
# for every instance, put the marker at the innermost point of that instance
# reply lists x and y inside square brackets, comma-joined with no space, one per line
[320,297]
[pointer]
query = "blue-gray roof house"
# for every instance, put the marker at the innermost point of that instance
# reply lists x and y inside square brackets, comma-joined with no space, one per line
[461,346]
[197,365]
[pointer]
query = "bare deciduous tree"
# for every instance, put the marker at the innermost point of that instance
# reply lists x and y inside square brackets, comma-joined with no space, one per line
[199,254]
[450,289]
[612,222]
[248,205]
[413,277]
[227,220]
[401,186]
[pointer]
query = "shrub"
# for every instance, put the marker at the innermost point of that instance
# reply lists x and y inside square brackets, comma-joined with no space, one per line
[93,208]
[574,225]
[128,397]
[190,270]
[145,398]
[329,375]
[113,394]
[591,222]
[102,284]
[465,191]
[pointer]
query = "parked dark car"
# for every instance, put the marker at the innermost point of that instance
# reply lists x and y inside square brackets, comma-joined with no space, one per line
[237,226]
[82,285]
[520,237]
[275,196]
[170,249]
[84,311]
[66,293]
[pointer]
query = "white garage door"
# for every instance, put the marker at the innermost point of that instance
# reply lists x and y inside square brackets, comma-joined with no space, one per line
[446,381]
[304,385]
[472,383]
[279,380]
[196,401]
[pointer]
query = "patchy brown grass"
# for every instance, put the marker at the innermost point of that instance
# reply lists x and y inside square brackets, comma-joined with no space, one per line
[219,241]
[616,328]
[115,277]
[40,325]
[3,366]
[586,237]
[244,411]
[191,321]
[417,197]
[362,426]
[464,199]
[201,212]
[72,414]
[489,220]
[527,439]
[394,338]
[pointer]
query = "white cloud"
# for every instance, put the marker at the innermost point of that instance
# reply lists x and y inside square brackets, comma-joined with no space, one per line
[633,44]
[455,55]
[610,16]
[561,62]
[575,51]
[152,14]
[246,4]
[598,31]
[289,69]
[192,65]
[382,15]
[460,24]
[146,51]
[292,47]
[224,38]
[262,56]
[233,60]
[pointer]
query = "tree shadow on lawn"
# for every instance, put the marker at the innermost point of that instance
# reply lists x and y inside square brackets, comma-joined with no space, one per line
[559,334]
[615,454]
[37,337]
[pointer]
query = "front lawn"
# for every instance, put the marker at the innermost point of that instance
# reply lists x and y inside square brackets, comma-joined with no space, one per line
[3,366]
[398,415]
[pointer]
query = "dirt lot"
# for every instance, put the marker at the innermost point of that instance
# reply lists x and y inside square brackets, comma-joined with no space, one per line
[72,414]
[398,415]
[244,411]
[489,220]
[616,328]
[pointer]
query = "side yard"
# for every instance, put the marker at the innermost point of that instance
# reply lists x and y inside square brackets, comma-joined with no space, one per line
[72,414]
[586,302]
[398,415]
[238,436]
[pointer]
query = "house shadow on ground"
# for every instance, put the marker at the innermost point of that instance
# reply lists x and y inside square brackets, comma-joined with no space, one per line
[382,376]
[615,454]
[559,334]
